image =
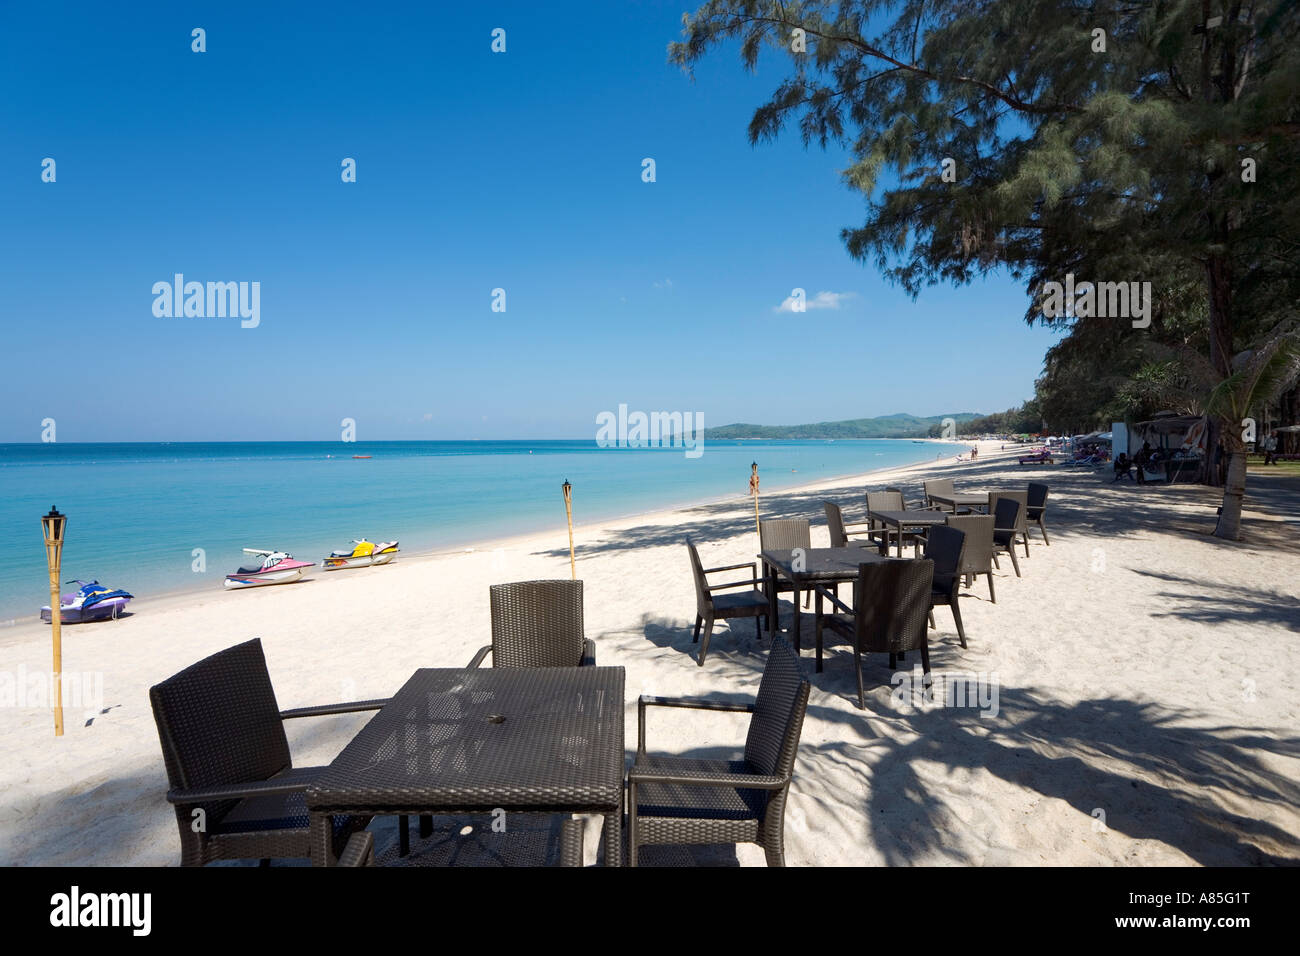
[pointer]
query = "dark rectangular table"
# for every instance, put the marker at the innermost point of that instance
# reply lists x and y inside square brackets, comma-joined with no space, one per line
[815,566]
[899,520]
[963,499]
[523,739]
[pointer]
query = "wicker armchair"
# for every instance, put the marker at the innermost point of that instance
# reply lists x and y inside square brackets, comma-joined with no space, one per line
[1036,507]
[785,534]
[977,555]
[891,600]
[537,624]
[840,533]
[676,800]
[891,501]
[939,486]
[1021,498]
[710,607]
[236,793]
[943,546]
[1006,512]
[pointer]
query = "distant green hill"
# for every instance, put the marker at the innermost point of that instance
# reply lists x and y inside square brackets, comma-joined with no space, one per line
[884,426]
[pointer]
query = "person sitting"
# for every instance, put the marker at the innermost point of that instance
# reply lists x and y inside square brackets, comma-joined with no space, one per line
[1123,467]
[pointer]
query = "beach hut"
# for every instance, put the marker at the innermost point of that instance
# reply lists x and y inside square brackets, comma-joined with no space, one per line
[1181,441]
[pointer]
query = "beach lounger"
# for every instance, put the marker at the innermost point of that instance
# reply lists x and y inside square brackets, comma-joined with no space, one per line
[228,762]
[537,624]
[681,800]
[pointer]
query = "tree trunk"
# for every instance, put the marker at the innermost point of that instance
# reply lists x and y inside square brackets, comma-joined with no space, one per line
[1219,277]
[1234,489]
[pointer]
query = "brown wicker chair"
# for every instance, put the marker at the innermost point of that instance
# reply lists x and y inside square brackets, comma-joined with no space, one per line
[1006,512]
[710,607]
[891,501]
[677,800]
[1021,498]
[785,534]
[891,600]
[537,624]
[236,793]
[940,486]
[977,554]
[1036,507]
[944,546]
[841,536]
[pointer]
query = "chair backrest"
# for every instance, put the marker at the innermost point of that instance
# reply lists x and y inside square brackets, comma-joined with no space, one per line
[1006,512]
[977,550]
[835,522]
[1020,497]
[943,546]
[774,728]
[219,723]
[1036,500]
[883,501]
[537,624]
[892,601]
[937,486]
[784,534]
[702,600]
[901,499]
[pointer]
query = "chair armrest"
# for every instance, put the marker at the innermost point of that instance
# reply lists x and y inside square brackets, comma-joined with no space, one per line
[588,653]
[732,567]
[695,703]
[360,850]
[704,778]
[238,791]
[753,583]
[822,592]
[324,710]
[478,658]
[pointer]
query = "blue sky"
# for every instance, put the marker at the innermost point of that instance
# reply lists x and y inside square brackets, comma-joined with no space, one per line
[475,171]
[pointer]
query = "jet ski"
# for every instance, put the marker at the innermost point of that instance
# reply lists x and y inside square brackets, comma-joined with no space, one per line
[362,554]
[93,602]
[272,567]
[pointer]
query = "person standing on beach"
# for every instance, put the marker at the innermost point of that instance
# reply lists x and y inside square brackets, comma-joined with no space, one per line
[1270,448]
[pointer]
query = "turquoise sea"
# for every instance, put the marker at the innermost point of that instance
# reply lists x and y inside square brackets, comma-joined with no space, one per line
[137,512]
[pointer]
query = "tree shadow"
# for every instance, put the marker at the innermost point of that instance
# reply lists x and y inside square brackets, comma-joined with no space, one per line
[1211,602]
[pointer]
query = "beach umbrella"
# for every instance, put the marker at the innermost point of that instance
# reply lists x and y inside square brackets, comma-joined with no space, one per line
[753,490]
[568,511]
[52,526]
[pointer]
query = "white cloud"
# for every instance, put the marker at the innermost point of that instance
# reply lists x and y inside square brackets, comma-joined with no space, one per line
[822,300]
[665,284]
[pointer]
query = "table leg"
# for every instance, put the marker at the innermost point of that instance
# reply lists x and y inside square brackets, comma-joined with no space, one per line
[769,575]
[319,837]
[614,837]
[900,539]
[797,615]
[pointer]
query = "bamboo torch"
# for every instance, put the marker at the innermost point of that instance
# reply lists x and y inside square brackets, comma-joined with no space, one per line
[753,490]
[568,511]
[52,525]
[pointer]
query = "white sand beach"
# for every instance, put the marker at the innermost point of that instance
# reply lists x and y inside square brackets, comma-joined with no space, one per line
[1147,680]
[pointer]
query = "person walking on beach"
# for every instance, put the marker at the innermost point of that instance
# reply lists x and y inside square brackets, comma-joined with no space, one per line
[1123,468]
[1270,448]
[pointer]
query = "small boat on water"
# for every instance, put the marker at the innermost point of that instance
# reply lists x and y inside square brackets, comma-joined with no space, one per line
[363,554]
[362,456]
[92,602]
[274,567]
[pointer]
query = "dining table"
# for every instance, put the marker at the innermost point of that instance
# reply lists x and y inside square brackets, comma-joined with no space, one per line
[900,521]
[806,568]
[483,740]
[957,500]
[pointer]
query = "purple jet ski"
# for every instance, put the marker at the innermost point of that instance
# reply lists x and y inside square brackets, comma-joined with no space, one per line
[93,602]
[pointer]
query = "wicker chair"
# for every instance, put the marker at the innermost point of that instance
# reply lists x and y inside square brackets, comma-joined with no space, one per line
[1022,526]
[940,486]
[907,506]
[537,624]
[1005,515]
[977,555]
[710,607]
[944,546]
[840,535]
[890,602]
[785,534]
[236,793]
[891,501]
[677,800]
[1036,507]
